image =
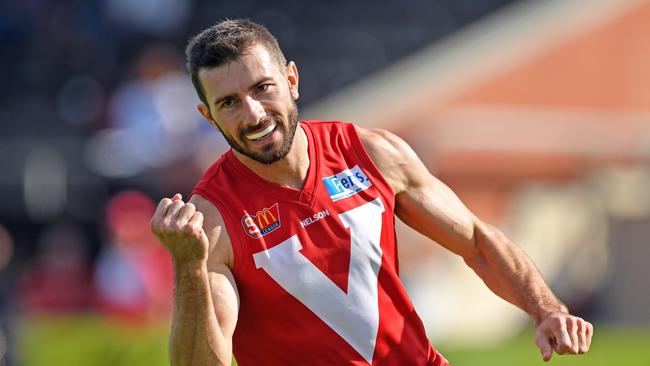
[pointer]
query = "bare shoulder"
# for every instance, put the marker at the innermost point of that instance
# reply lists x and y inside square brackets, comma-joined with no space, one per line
[220,250]
[380,142]
[396,160]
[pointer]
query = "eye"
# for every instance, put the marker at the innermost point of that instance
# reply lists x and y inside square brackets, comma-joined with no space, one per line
[227,103]
[263,87]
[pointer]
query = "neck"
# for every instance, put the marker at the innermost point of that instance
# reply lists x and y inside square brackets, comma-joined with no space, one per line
[291,171]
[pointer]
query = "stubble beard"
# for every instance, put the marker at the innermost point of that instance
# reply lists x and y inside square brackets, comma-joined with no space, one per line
[269,153]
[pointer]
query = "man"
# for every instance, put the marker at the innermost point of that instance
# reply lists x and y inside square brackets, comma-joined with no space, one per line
[286,252]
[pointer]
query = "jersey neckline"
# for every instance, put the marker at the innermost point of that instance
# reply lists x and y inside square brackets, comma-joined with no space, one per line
[306,195]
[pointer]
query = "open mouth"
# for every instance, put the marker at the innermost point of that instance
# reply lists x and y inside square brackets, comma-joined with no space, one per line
[263,133]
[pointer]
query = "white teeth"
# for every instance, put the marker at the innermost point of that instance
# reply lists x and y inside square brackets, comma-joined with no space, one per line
[262,134]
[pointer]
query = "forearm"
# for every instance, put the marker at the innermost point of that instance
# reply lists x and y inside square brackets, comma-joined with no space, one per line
[196,337]
[509,273]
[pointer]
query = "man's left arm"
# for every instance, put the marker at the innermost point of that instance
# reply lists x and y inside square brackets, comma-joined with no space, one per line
[430,207]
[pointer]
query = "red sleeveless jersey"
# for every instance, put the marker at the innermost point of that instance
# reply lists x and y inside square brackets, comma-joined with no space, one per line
[317,268]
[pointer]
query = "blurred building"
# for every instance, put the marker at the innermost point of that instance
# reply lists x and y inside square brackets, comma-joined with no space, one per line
[539,118]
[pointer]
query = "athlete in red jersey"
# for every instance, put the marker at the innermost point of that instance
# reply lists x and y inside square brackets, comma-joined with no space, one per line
[286,253]
[322,260]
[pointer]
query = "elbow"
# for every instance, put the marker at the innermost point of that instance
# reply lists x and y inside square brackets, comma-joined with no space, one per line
[484,240]
[487,238]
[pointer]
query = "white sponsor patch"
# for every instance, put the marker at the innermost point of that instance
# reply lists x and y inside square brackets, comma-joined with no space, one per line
[346,183]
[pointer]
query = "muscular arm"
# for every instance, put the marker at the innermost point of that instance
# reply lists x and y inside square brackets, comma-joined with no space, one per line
[205,300]
[430,207]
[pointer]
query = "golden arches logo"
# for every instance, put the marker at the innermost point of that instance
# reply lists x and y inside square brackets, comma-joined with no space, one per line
[264,214]
[263,222]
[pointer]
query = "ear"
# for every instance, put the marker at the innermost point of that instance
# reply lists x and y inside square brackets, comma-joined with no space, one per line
[205,112]
[292,77]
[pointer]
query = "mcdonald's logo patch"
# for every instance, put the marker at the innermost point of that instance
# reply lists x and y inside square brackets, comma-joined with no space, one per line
[262,223]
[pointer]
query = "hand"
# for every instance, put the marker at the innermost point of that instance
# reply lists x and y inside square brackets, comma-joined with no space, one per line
[179,227]
[564,334]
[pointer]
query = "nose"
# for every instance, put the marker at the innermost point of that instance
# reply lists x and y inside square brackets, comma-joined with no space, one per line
[253,110]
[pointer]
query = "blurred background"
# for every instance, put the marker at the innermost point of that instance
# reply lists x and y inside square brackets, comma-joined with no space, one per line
[537,113]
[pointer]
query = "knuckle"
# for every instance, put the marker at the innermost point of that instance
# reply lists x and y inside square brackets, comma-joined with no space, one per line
[177,226]
[564,345]
[572,321]
[196,234]
[189,229]
[561,349]
[556,322]
[164,224]
[575,349]
[583,348]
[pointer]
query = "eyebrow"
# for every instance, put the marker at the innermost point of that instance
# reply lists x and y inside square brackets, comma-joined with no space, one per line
[218,100]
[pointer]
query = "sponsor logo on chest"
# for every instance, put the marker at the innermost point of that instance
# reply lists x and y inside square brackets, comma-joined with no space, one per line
[313,218]
[346,183]
[262,223]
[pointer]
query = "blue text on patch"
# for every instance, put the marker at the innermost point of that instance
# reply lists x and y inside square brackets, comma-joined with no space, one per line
[346,183]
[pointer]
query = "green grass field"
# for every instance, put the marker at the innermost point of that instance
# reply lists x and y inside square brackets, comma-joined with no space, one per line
[91,341]
[610,346]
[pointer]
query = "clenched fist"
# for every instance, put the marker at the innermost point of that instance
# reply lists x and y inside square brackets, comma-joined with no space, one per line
[179,227]
[564,334]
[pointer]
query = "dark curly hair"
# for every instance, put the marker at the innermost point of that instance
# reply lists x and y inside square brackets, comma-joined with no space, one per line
[224,42]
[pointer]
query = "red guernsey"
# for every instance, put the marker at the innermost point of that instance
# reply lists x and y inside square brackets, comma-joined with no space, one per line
[317,268]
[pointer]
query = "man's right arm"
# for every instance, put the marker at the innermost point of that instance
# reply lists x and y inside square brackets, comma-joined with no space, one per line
[206,301]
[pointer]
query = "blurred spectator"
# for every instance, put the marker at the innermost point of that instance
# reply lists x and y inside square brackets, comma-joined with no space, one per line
[59,279]
[6,252]
[134,273]
[153,118]
[156,17]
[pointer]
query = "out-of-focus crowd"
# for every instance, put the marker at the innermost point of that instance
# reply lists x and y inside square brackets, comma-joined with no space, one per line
[128,281]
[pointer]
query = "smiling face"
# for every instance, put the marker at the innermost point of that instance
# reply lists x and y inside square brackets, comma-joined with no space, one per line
[251,100]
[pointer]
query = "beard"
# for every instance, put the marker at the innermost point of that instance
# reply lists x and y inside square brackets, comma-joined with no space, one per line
[269,153]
